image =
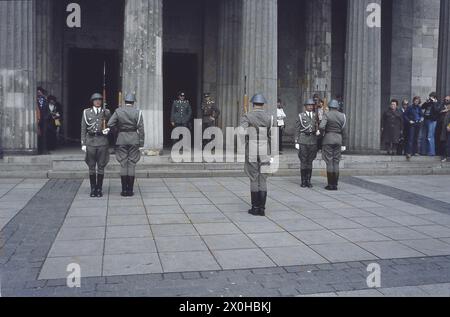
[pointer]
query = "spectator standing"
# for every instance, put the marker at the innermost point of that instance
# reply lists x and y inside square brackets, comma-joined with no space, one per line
[431,110]
[281,116]
[445,130]
[392,128]
[414,117]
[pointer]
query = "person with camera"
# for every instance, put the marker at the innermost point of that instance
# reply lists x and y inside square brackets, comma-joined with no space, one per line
[431,110]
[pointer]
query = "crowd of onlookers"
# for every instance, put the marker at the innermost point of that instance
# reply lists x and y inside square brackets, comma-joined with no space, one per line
[418,128]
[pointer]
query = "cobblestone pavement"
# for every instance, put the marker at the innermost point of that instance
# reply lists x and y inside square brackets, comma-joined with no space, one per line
[193,237]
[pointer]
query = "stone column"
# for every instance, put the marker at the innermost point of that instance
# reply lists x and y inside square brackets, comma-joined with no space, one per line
[142,66]
[49,46]
[444,50]
[318,49]
[228,93]
[259,53]
[18,76]
[362,79]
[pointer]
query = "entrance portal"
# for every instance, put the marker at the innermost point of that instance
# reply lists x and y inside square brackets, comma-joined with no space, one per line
[86,78]
[180,74]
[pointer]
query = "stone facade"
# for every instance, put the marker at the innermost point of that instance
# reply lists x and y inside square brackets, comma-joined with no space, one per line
[286,49]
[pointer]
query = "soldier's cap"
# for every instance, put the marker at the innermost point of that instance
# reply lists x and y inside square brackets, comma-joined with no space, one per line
[206,95]
[182,94]
[258,99]
[334,104]
[310,102]
[130,98]
[96,96]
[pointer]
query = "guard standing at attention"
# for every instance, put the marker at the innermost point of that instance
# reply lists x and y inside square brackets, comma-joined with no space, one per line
[130,141]
[210,112]
[256,148]
[94,141]
[181,113]
[333,127]
[307,130]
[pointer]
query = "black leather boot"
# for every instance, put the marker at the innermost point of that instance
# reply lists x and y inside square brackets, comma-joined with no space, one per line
[123,180]
[100,185]
[330,177]
[303,175]
[255,204]
[93,180]
[336,181]
[262,203]
[130,186]
[308,178]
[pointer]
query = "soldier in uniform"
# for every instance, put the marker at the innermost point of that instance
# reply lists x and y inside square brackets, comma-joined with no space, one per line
[333,127]
[256,158]
[210,112]
[306,141]
[130,126]
[181,114]
[94,141]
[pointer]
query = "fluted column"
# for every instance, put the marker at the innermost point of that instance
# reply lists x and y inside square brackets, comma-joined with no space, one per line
[318,49]
[18,76]
[142,66]
[228,92]
[259,53]
[443,84]
[362,79]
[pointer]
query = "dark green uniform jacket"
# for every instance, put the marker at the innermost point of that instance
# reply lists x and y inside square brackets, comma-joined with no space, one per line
[130,126]
[91,127]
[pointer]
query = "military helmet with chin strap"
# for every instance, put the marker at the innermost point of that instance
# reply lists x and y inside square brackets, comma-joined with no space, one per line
[258,99]
[130,98]
[334,104]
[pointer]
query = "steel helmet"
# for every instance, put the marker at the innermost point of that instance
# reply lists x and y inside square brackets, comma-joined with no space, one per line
[310,102]
[334,104]
[258,99]
[130,98]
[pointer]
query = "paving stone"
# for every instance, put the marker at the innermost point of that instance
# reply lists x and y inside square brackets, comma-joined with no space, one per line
[242,258]
[434,231]
[56,268]
[125,264]
[400,233]
[180,243]
[208,218]
[375,222]
[120,246]
[389,249]
[259,227]
[430,247]
[140,231]
[76,248]
[87,233]
[81,222]
[405,291]
[228,242]
[188,261]
[361,235]
[269,240]
[342,252]
[290,256]
[171,209]
[174,230]
[194,209]
[216,228]
[159,219]
[318,237]
[130,220]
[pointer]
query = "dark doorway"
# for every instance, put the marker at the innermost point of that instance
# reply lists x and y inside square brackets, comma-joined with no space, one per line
[180,74]
[85,78]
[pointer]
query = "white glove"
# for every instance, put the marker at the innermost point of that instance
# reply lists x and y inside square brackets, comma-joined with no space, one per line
[106,131]
[343,148]
[318,132]
[141,149]
[297,146]
[84,148]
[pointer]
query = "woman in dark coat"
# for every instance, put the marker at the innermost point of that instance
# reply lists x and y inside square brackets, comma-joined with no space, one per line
[392,128]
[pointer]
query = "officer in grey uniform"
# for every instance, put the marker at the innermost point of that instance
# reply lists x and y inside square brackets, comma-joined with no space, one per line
[256,148]
[94,141]
[333,127]
[307,130]
[130,140]
[181,113]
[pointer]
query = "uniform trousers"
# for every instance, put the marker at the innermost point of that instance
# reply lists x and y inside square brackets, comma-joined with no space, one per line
[97,157]
[332,154]
[307,155]
[128,156]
